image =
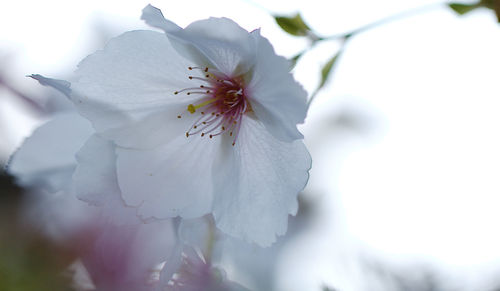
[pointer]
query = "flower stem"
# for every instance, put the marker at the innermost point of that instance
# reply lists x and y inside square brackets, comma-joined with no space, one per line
[383,21]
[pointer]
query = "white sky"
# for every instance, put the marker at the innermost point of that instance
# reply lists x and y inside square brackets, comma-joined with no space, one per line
[421,184]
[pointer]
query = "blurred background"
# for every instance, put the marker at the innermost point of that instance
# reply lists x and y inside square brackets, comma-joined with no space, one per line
[405,185]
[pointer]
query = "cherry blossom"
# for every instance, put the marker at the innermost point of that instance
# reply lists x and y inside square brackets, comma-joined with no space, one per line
[204,120]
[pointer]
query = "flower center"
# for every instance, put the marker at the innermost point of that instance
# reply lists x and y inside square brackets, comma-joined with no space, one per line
[221,106]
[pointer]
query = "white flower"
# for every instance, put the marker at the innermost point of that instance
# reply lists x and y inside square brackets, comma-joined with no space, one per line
[204,120]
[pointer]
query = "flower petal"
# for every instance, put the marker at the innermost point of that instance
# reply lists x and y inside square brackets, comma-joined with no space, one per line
[276,98]
[171,180]
[95,181]
[47,157]
[60,85]
[214,42]
[257,182]
[136,74]
[122,257]
[153,16]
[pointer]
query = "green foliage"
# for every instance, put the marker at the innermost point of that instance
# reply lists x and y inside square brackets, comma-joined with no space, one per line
[293,25]
[327,69]
[463,8]
[492,4]
[295,59]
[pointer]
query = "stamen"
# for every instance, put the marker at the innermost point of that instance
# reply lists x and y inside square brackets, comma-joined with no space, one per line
[224,104]
[192,108]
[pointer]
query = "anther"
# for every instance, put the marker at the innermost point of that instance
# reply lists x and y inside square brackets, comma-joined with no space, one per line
[178,116]
[210,136]
[187,134]
[176,92]
[202,134]
[190,77]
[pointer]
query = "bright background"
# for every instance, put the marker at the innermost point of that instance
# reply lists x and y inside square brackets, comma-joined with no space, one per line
[405,138]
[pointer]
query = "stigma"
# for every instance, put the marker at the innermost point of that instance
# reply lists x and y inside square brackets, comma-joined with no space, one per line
[222,104]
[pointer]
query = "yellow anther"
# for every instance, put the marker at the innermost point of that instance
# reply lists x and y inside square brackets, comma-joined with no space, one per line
[192,108]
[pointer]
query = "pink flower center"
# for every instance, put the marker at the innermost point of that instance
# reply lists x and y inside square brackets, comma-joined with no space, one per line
[221,106]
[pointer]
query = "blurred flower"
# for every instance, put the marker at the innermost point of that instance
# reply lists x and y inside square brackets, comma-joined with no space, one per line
[205,121]
[124,257]
[117,249]
[196,273]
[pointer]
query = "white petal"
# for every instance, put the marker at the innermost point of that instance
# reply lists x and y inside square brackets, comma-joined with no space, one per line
[153,16]
[95,181]
[276,98]
[170,180]
[136,74]
[47,157]
[60,85]
[214,42]
[257,182]
[157,128]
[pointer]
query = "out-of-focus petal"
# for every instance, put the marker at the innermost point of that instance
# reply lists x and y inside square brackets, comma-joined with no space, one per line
[47,157]
[122,257]
[257,182]
[60,85]
[153,16]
